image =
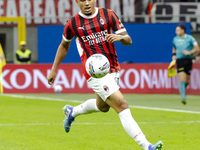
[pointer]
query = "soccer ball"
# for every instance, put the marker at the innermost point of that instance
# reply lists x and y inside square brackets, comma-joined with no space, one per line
[97,65]
[58,89]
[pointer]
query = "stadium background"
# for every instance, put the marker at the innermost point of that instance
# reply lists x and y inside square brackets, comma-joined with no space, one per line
[151,24]
[32,120]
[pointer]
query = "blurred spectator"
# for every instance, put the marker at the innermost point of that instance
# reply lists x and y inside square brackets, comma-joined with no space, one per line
[145,5]
[23,55]
[139,11]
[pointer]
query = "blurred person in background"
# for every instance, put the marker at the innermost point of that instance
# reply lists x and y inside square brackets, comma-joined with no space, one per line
[184,49]
[23,55]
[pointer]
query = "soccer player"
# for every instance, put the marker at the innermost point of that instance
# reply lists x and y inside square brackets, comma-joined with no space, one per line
[91,28]
[184,48]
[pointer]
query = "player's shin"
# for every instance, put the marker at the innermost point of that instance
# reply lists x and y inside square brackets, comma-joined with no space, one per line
[182,90]
[132,128]
[186,84]
[88,106]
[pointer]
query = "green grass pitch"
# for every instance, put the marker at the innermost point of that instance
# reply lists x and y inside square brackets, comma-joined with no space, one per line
[35,122]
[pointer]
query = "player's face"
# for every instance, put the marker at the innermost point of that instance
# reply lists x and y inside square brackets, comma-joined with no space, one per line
[179,31]
[87,6]
[23,47]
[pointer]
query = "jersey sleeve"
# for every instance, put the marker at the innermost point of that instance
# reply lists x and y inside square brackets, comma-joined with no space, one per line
[68,33]
[116,24]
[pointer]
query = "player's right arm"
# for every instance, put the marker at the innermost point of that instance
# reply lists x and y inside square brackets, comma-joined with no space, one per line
[62,50]
[173,53]
[174,50]
[60,55]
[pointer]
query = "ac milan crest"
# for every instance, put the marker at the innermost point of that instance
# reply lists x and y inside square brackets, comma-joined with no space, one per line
[102,21]
[105,88]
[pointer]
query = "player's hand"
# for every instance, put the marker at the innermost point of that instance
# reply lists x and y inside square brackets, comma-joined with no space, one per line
[185,52]
[174,57]
[113,38]
[51,77]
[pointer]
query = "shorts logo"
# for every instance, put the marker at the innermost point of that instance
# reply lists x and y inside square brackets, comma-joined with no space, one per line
[105,88]
[180,69]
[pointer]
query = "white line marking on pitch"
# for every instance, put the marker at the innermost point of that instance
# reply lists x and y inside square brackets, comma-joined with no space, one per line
[165,109]
[90,123]
[42,98]
[79,101]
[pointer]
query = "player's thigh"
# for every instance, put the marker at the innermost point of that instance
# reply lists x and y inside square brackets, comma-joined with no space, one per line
[182,76]
[184,65]
[117,101]
[102,106]
[104,86]
[187,78]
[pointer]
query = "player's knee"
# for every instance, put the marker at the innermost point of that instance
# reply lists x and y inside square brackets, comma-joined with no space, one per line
[182,80]
[104,109]
[123,104]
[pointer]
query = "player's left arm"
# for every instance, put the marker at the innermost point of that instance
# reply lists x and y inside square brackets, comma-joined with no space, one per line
[119,29]
[195,49]
[123,37]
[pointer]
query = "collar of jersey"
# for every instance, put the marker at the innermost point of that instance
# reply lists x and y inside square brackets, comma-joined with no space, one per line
[183,37]
[89,17]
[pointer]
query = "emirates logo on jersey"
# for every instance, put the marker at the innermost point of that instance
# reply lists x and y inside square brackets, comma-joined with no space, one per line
[95,38]
[102,21]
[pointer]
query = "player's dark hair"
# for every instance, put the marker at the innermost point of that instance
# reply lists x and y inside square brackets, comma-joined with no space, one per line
[182,27]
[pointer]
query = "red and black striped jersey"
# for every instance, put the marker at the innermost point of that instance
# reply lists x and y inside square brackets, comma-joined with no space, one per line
[89,33]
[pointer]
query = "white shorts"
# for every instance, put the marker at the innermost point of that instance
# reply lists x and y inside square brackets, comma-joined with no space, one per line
[106,85]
